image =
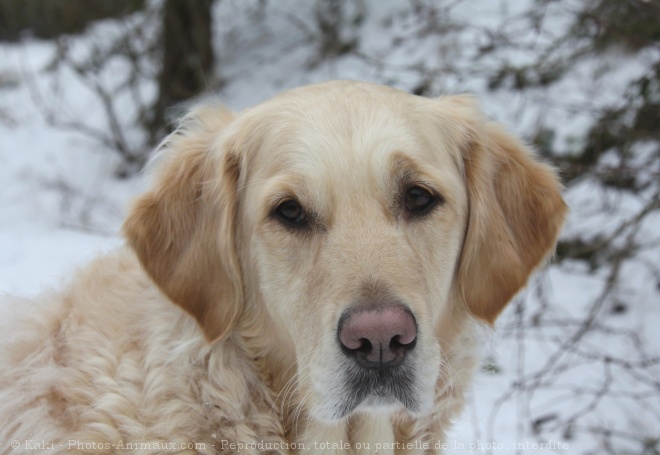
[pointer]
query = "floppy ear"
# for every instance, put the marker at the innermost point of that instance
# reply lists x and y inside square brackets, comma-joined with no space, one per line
[183,229]
[516,212]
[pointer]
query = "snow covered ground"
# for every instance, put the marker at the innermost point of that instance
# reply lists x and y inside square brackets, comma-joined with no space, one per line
[61,205]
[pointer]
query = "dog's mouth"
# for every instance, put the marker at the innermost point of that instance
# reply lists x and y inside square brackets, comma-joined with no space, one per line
[373,389]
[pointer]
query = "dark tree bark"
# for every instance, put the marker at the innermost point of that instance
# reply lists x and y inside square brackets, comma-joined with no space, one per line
[188,57]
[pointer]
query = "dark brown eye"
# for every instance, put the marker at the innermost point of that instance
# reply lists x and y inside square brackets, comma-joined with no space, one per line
[419,201]
[291,213]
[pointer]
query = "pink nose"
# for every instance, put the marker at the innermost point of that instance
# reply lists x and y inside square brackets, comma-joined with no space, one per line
[378,337]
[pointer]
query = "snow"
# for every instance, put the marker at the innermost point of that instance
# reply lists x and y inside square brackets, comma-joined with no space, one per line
[61,204]
[33,258]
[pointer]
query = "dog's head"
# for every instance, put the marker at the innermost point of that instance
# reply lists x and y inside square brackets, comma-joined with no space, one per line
[361,223]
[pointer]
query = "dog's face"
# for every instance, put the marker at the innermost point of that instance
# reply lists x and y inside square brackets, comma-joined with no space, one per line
[357,221]
[353,218]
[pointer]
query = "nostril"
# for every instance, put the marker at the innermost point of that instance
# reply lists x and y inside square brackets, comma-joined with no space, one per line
[361,346]
[366,346]
[396,343]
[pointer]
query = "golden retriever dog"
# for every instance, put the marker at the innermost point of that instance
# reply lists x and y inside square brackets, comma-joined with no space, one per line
[309,276]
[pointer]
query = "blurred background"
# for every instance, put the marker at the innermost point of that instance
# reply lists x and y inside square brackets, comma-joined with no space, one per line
[87,87]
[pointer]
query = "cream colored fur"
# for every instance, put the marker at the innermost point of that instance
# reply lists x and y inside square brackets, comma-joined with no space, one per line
[217,325]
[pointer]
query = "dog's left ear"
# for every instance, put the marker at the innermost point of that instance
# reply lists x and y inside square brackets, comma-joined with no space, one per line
[516,209]
[183,229]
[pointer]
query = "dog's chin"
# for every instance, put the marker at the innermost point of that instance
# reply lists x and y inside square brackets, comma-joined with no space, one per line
[380,404]
[372,403]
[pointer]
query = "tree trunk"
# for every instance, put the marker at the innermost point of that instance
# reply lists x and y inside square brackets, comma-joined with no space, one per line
[188,57]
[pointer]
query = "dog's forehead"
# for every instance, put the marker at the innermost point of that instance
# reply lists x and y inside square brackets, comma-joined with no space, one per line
[343,131]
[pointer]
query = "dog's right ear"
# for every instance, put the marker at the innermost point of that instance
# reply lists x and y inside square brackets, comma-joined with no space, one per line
[183,229]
